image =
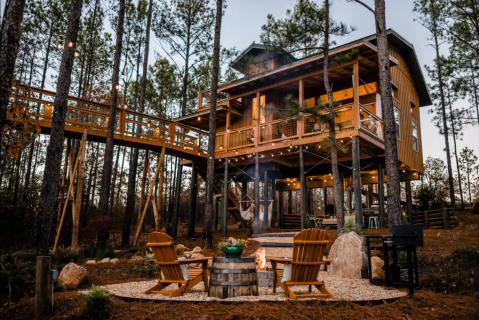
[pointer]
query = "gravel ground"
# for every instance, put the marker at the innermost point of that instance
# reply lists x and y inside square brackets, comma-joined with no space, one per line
[341,289]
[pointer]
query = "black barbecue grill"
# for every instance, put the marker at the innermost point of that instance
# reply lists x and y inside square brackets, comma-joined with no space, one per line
[406,239]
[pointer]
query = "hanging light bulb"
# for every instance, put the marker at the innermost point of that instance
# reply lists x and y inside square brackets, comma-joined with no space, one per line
[122,75]
[221,146]
[60,44]
[70,44]
[164,100]
[117,86]
[199,118]
[76,54]
[273,144]
[228,130]
[236,151]
[96,80]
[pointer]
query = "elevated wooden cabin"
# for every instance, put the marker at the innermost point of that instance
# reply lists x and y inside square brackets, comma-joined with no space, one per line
[291,150]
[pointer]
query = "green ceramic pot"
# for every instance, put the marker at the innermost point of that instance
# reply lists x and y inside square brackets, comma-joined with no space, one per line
[233,252]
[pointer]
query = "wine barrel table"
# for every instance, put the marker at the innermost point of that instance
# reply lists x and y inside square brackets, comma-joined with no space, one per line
[233,277]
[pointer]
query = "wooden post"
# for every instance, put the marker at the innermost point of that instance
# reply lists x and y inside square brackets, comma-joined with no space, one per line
[76,213]
[358,204]
[311,201]
[409,201]
[265,202]
[256,228]
[301,100]
[426,220]
[244,195]
[382,211]
[140,224]
[370,195]
[43,288]
[257,130]
[302,185]
[193,198]
[281,208]
[217,204]
[445,218]
[274,204]
[143,184]
[290,202]
[176,213]
[224,202]
[160,191]
[228,124]
[64,175]
[355,108]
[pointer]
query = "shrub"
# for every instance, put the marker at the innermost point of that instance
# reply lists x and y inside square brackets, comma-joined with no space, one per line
[148,269]
[97,301]
[350,226]
[108,252]
[133,250]
[309,222]
[64,255]
[405,220]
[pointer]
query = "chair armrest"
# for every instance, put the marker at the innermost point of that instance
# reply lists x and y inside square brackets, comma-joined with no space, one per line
[328,261]
[196,260]
[279,260]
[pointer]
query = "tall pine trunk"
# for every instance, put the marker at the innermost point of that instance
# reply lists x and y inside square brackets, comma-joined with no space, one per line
[210,169]
[13,17]
[392,162]
[130,201]
[337,181]
[455,151]
[48,202]
[108,159]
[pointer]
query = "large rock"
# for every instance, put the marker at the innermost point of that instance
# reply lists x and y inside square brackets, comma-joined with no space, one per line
[114,260]
[72,276]
[348,256]
[137,258]
[377,265]
[105,260]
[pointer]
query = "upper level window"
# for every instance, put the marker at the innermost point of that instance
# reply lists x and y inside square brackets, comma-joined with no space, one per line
[262,118]
[413,109]
[396,119]
[415,140]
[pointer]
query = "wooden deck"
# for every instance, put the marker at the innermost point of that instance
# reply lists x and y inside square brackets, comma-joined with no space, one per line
[180,140]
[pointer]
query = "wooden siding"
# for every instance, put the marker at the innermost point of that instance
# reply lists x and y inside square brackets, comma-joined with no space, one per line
[406,94]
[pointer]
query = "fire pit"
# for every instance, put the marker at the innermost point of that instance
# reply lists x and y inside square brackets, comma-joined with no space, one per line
[264,274]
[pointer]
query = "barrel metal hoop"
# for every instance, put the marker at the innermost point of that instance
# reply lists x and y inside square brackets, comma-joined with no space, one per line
[233,283]
[247,259]
[232,271]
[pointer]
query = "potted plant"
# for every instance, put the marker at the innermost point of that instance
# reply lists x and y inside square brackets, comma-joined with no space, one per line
[232,248]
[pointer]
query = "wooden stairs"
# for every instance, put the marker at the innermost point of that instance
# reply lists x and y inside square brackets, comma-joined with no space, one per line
[291,221]
[233,202]
[435,219]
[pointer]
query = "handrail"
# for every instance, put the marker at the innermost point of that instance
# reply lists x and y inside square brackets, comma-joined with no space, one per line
[370,112]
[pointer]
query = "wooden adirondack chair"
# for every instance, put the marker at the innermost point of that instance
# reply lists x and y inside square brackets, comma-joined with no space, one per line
[308,252]
[163,248]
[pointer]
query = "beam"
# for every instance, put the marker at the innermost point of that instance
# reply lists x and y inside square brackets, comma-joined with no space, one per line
[358,204]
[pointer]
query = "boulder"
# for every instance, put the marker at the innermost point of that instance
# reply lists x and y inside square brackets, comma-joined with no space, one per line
[137,258]
[348,256]
[115,260]
[105,260]
[377,265]
[72,276]
[90,262]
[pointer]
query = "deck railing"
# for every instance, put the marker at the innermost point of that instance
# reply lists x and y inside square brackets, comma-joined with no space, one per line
[371,122]
[128,124]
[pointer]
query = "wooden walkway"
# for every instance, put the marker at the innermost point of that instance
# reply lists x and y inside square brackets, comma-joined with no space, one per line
[179,140]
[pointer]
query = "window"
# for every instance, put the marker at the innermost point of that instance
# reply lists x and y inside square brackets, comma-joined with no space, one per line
[415,140]
[261,110]
[413,109]
[396,118]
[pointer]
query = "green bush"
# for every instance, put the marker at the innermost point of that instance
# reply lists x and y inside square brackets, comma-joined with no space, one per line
[108,252]
[405,220]
[309,222]
[64,255]
[148,269]
[97,301]
[350,226]
[133,250]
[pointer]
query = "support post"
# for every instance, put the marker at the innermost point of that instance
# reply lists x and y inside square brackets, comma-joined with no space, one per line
[177,201]
[445,218]
[311,201]
[358,205]
[43,288]
[409,201]
[281,208]
[325,194]
[244,193]
[77,207]
[355,108]
[160,191]
[256,228]
[193,198]
[265,202]
[370,195]
[143,184]
[217,204]
[274,204]
[302,185]
[382,210]
[64,175]
[290,202]
[224,202]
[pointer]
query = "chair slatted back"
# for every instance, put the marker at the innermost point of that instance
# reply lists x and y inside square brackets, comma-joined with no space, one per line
[309,246]
[163,248]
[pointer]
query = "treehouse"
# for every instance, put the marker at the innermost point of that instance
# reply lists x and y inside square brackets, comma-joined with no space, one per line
[291,153]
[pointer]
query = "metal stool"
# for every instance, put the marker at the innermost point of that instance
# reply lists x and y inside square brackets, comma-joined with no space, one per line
[373,223]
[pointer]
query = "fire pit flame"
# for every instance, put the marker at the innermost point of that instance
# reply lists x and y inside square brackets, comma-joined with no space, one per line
[261,259]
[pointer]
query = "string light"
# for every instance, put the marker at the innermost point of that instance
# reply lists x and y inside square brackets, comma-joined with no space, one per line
[236,151]
[117,86]
[96,80]
[122,75]
[164,101]
[70,44]
[76,54]
[60,44]
[273,144]
[221,146]
[199,118]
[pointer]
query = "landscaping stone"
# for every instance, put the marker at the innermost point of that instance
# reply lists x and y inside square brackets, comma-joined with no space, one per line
[72,276]
[91,262]
[137,258]
[377,265]
[105,260]
[115,260]
[348,256]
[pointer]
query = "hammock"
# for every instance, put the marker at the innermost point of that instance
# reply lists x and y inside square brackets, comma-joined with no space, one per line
[248,214]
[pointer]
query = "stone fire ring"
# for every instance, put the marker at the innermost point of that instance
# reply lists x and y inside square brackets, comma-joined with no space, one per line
[342,289]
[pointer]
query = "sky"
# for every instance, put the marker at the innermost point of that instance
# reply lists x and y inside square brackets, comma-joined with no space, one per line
[243,19]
